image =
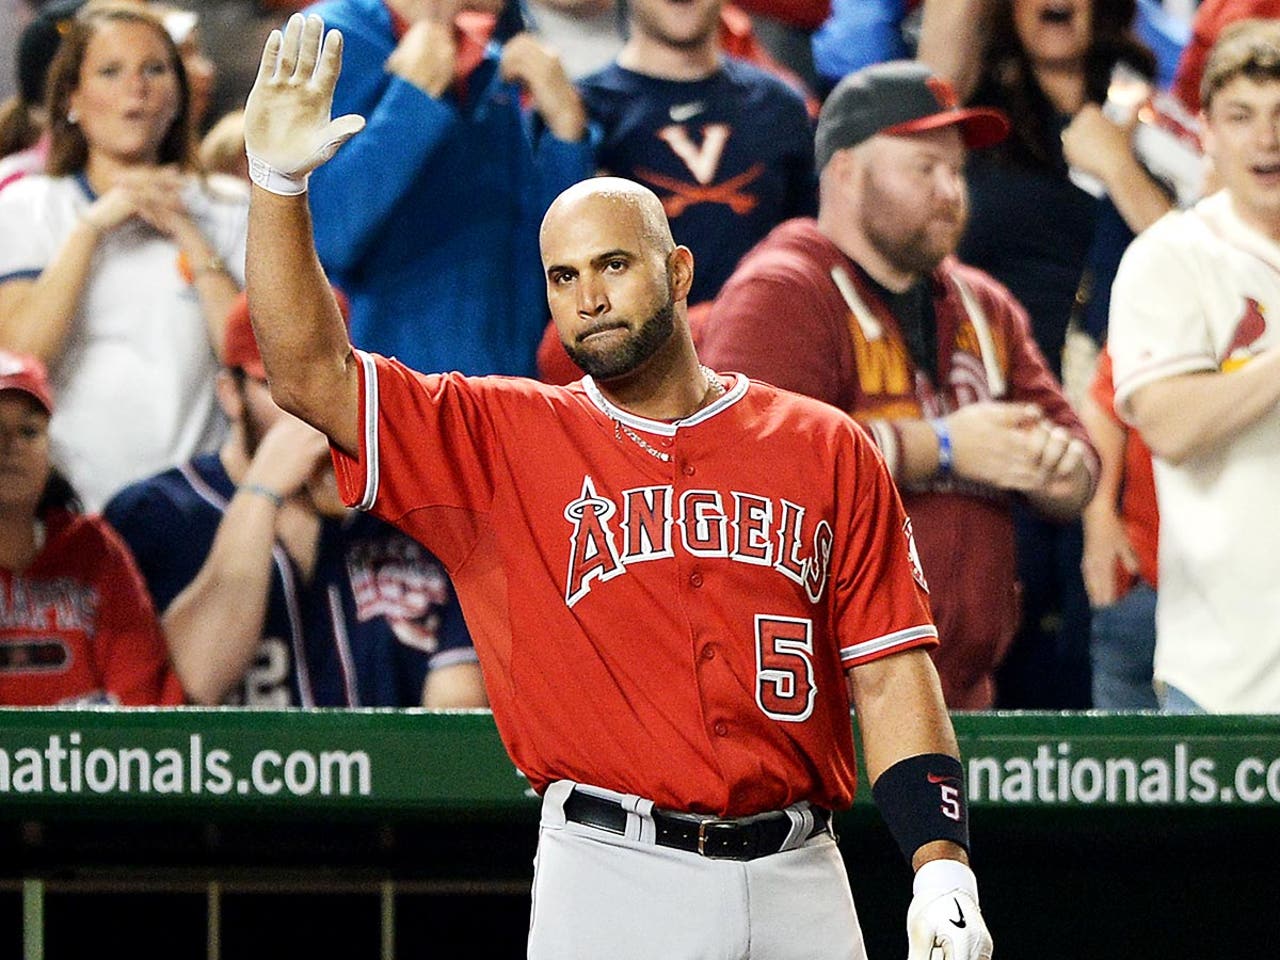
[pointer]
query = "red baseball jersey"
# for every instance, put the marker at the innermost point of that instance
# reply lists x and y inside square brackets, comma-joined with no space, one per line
[77,626]
[660,609]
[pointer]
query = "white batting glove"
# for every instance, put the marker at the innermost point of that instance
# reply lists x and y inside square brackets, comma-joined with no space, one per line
[943,921]
[287,130]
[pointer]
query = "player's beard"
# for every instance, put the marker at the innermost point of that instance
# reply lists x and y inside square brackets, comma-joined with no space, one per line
[632,353]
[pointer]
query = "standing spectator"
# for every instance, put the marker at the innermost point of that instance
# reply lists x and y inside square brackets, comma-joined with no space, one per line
[675,685]
[76,625]
[1197,368]
[118,266]
[1048,64]
[271,593]
[436,248]
[1121,530]
[866,309]
[725,144]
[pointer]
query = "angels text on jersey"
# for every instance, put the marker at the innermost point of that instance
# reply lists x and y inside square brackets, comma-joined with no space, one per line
[651,523]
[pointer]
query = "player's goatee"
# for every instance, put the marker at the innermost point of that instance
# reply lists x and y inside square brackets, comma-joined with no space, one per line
[627,356]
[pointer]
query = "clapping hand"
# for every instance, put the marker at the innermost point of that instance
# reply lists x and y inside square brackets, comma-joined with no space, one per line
[150,194]
[534,66]
[287,129]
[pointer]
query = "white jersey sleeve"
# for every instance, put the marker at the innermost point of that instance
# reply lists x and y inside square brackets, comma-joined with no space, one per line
[1158,326]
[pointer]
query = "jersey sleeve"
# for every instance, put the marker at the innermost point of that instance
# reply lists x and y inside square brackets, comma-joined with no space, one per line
[1157,328]
[426,457]
[133,659]
[882,604]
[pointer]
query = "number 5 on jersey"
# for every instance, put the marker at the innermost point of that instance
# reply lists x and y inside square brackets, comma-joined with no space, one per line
[784,667]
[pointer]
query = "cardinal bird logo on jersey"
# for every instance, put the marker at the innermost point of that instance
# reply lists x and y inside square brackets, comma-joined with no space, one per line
[1249,330]
[917,568]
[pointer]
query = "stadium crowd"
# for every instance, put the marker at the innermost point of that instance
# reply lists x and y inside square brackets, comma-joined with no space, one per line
[1054,325]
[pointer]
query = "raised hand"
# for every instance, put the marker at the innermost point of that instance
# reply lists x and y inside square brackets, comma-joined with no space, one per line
[289,457]
[287,129]
[538,69]
[425,56]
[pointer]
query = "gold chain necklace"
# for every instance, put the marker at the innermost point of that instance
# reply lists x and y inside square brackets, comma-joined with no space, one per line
[715,389]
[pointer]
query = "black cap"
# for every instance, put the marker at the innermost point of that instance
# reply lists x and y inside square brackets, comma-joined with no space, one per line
[897,97]
[38,44]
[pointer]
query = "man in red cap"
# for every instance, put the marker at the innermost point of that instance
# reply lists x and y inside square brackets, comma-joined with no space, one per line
[866,308]
[274,594]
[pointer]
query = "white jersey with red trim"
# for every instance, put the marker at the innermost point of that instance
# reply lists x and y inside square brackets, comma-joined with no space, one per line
[1200,292]
[661,609]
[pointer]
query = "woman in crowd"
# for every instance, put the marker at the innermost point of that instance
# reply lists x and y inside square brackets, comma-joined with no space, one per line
[1048,64]
[76,622]
[117,267]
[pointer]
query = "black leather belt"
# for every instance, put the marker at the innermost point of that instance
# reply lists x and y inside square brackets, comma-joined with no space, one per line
[743,839]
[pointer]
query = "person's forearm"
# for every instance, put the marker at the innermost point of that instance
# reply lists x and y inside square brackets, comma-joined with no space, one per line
[1187,416]
[214,286]
[214,626]
[953,38]
[296,320]
[917,453]
[1108,438]
[36,317]
[900,710]
[1137,196]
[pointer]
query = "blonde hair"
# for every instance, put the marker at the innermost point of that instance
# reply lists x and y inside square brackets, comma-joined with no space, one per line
[1246,48]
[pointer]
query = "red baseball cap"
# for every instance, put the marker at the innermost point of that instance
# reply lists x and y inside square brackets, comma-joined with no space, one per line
[899,97]
[240,347]
[26,374]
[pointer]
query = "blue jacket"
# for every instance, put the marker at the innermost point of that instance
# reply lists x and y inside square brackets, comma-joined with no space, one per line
[428,219]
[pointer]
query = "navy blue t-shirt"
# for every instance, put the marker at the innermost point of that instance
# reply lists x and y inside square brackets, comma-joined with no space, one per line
[377,613]
[730,155]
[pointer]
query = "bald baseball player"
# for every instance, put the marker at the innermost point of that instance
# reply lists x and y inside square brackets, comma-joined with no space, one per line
[678,582]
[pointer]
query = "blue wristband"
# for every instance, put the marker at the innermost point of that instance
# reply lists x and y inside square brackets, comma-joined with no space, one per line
[939,426]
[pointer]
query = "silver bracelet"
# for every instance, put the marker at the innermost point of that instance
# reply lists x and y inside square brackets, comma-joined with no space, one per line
[260,490]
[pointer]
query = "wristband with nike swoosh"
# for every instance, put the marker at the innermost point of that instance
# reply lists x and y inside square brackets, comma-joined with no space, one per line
[921,799]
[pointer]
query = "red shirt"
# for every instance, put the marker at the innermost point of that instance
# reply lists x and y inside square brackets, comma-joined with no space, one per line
[675,629]
[78,626]
[1138,508]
